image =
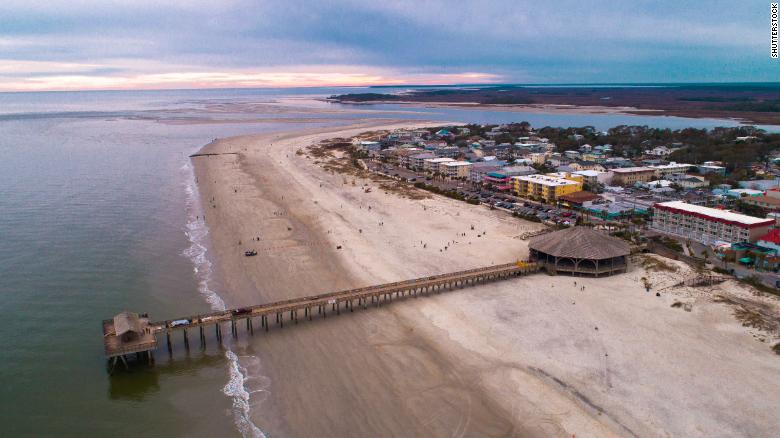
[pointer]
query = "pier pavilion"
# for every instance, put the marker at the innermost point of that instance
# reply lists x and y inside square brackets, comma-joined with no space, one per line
[580,251]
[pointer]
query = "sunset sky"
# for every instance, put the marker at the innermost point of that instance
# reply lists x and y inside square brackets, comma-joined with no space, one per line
[108,44]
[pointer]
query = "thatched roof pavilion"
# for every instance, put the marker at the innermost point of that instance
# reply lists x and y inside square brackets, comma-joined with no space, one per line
[580,250]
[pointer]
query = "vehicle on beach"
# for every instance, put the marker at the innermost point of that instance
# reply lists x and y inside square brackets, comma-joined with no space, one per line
[250,253]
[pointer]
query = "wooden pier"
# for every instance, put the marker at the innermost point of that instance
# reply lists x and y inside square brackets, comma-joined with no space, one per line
[140,336]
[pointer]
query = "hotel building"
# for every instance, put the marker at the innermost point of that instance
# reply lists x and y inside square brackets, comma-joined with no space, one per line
[544,187]
[707,225]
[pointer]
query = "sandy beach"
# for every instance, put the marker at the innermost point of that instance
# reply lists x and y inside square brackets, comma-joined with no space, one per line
[534,356]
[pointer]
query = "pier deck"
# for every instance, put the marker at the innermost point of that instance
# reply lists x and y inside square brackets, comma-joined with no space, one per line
[335,300]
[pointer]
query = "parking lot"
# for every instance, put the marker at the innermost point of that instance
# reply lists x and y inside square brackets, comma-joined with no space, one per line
[546,213]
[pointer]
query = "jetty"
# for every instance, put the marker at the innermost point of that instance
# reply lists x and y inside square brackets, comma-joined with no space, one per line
[129,333]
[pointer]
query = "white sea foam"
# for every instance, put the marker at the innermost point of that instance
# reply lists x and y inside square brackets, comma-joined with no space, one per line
[197,232]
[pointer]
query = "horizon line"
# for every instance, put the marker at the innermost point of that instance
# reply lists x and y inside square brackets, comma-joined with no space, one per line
[477,84]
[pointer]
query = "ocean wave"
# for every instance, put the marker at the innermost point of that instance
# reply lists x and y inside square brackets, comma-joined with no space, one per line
[197,232]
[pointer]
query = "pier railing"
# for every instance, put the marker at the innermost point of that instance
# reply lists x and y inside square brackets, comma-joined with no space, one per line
[323,303]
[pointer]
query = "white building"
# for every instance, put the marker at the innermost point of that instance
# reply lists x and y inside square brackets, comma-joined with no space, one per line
[660,151]
[707,225]
[593,177]
[432,164]
[672,168]
[455,169]
[418,161]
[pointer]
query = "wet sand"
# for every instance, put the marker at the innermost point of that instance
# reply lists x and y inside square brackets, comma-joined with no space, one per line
[516,358]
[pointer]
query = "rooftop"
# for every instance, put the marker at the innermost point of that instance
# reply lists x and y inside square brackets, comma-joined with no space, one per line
[671,165]
[580,243]
[579,197]
[714,213]
[546,180]
[439,160]
[633,169]
[772,236]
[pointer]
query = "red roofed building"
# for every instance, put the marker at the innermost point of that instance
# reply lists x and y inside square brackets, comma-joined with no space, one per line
[771,240]
[708,225]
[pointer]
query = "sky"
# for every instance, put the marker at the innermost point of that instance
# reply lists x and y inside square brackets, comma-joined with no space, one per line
[152,44]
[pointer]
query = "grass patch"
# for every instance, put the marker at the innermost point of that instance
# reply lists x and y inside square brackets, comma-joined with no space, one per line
[755,281]
[655,264]
[671,244]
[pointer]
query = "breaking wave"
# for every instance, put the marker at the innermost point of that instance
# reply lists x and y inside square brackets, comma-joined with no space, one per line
[197,232]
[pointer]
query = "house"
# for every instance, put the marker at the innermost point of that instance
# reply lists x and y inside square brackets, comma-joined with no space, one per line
[672,168]
[659,151]
[657,184]
[705,169]
[689,181]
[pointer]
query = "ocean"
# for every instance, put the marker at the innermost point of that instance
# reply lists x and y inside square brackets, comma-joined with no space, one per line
[99,214]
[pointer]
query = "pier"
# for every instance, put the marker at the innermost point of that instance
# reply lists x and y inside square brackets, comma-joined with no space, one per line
[130,333]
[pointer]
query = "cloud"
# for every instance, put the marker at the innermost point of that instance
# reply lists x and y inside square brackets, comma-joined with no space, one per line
[522,40]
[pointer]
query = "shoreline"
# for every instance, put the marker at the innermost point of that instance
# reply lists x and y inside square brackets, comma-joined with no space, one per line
[460,363]
[544,108]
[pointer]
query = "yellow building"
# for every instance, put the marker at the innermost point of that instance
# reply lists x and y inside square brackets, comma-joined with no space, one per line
[568,175]
[547,188]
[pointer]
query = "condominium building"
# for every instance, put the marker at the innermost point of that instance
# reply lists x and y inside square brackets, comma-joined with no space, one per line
[418,161]
[432,164]
[707,225]
[455,169]
[544,187]
[627,176]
